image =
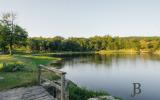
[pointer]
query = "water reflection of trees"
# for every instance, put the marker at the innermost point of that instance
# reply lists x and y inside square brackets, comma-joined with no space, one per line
[152,57]
[108,59]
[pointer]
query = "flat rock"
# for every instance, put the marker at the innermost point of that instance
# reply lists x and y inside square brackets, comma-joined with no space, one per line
[1,78]
[103,98]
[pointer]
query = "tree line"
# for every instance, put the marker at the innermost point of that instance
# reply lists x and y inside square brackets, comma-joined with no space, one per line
[95,43]
[14,37]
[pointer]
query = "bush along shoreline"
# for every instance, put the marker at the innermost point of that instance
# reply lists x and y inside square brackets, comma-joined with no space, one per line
[81,93]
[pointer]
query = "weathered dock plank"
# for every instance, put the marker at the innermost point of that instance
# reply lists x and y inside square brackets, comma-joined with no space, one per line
[30,93]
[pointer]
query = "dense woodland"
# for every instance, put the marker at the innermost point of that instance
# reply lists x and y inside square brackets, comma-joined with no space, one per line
[13,37]
[95,43]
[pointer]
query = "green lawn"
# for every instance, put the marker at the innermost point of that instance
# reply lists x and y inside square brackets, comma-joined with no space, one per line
[18,79]
[123,51]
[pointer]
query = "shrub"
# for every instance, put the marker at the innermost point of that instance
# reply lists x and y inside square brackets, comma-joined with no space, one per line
[14,67]
[77,93]
[1,66]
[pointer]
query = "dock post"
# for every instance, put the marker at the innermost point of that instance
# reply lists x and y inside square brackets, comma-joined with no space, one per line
[39,75]
[62,86]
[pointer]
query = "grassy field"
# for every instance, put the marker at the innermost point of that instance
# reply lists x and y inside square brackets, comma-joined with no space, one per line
[18,79]
[124,51]
[129,51]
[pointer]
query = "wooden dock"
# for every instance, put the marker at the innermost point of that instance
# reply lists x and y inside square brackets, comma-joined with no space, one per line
[30,93]
[39,92]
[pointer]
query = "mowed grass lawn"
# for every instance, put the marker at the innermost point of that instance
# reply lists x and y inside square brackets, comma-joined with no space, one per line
[10,80]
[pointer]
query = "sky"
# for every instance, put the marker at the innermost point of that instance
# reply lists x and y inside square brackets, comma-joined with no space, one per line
[86,18]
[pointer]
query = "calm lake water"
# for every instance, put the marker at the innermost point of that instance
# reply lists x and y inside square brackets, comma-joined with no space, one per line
[116,74]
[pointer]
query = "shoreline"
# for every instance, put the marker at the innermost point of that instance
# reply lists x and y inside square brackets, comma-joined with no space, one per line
[157,52]
[120,51]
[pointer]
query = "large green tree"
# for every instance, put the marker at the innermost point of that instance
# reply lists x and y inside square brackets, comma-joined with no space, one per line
[11,34]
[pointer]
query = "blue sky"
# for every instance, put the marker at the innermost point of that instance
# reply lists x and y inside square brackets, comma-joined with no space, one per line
[85,18]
